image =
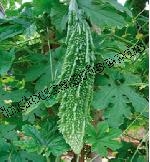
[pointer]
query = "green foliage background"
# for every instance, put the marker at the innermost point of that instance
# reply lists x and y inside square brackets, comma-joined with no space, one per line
[32,47]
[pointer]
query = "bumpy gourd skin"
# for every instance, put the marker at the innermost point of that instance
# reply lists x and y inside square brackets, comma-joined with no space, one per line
[74,111]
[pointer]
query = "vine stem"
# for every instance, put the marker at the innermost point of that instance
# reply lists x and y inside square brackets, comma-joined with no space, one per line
[50,57]
[144,138]
[124,132]
[139,14]
[121,39]
[94,158]
[147,151]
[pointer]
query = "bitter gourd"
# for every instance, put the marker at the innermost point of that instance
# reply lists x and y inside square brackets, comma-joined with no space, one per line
[74,111]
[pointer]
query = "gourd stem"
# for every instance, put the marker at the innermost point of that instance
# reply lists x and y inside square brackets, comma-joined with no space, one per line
[78,157]
[58,159]
[73,5]
[47,159]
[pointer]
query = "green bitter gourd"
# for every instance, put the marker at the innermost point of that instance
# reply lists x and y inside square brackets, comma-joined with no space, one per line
[74,112]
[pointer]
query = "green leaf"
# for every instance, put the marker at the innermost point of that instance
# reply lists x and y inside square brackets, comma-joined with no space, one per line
[13,27]
[16,95]
[102,15]
[103,138]
[6,60]
[117,6]
[126,152]
[115,95]
[36,71]
[35,109]
[39,71]
[44,80]
[10,31]
[8,132]
[21,156]
[59,17]
[41,6]
[46,138]
[51,102]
